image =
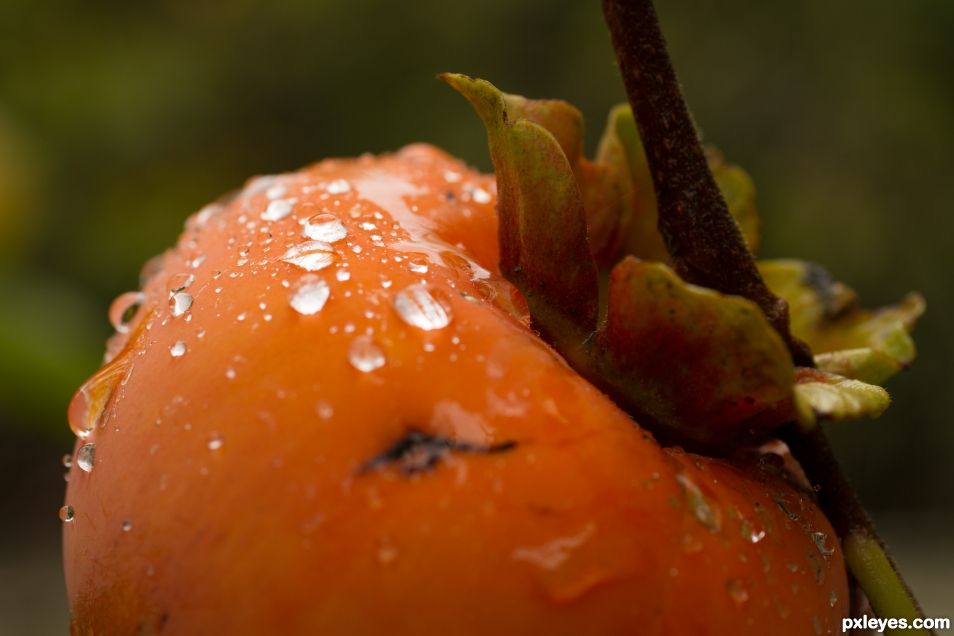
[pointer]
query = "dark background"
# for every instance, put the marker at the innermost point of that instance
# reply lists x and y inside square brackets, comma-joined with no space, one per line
[118,119]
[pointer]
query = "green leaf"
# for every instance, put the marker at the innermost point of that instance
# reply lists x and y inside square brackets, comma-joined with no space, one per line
[836,398]
[543,236]
[703,363]
[847,340]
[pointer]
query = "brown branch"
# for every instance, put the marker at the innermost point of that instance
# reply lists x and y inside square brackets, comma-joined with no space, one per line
[704,241]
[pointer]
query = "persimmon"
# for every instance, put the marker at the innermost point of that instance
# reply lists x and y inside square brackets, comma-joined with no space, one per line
[393,395]
[363,436]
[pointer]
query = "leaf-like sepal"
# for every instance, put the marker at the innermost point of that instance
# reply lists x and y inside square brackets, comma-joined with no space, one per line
[621,151]
[695,360]
[543,239]
[834,397]
[848,340]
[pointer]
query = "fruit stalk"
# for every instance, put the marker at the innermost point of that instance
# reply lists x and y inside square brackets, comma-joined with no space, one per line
[865,552]
[703,240]
[707,248]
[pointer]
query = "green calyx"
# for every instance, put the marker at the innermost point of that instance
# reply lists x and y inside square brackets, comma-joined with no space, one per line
[696,366]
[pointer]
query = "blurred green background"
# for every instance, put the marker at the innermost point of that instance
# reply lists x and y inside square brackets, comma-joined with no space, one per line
[118,119]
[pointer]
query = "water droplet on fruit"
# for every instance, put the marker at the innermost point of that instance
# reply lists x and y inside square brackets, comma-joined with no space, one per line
[126,525]
[179,303]
[418,308]
[737,591]
[698,504]
[832,599]
[324,227]
[480,195]
[87,409]
[820,539]
[123,310]
[338,186]
[85,457]
[342,275]
[365,355]
[66,514]
[311,256]
[276,192]
[215,443]
[310,295]
[178,349]
[324,410]
[179,282]
[278,209]
[67,461]
[417,263]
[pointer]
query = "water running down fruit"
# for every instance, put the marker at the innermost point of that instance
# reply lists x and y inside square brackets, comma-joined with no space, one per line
[339,405]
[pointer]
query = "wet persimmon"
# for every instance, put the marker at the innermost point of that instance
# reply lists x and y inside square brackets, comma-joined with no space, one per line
[393,395]
[327,414]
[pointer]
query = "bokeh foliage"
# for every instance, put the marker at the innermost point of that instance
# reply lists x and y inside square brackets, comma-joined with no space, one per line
[117,119]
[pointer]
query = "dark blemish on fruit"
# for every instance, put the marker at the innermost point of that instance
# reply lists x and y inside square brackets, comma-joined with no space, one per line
[418,452]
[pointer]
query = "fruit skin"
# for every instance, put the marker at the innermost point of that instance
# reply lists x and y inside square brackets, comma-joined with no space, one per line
[583,525]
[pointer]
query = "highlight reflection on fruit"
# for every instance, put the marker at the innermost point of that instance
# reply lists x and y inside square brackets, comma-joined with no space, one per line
[354,400]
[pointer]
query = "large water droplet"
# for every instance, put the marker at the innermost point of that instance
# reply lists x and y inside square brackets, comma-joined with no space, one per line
[310,295]
[66,514]
[310,255]
[278,209]
[85,457]
[417,263]
[88,406]
[178,349]
[698,504]
[179,303]
[179,282]
[418,308]
[365,355]
[123,310]
[338,186]
[324,227]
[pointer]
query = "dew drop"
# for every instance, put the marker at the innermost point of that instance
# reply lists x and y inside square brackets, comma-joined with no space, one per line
[67,461]
[311,256]
[85,457]
[364,355]
[418,308]
[342,275]
[178,349]
[338,186]
[179,282]
[324,227]
[215,443]
[126,525]
[820,539]
[123,310]
[277,191]
[179,303]
[310,295]
[87,409]
[324,410]
[480,195]
[278,209]
[66,514]
[698,504]
[417,264]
